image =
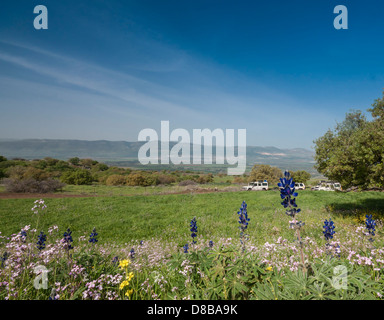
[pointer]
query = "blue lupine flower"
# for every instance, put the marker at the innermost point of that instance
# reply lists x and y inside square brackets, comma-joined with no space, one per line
[193,230]
[243,220]
[92,237]
[186,247]
[329,228]
[41,241]
[287,194]
[211,244]
[370,224]
[132,254]
[68,239]
[243,217]
[141,242]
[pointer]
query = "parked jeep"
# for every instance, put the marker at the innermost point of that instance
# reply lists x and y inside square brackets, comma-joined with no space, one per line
[328,186]
[257,185]
[299,186]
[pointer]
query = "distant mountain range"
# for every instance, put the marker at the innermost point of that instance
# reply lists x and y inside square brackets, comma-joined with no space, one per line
[124,153]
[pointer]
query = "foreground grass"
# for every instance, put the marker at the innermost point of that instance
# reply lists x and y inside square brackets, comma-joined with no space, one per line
[109,191]
[122,219]
[157,226]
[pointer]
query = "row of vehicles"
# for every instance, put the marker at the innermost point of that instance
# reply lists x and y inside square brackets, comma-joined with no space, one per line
[327,186]
[262,185]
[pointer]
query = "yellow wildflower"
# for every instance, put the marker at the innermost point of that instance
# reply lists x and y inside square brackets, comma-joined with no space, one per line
[269,268]
[124,263]
[129,276]
[124,284]
[129,293]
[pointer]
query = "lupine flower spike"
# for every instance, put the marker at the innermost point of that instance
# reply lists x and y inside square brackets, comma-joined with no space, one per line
[288,194]
[329,228]
[370,225]
[243,220]
[193,230]
[41,241]
[329,231]
[68,239]
[93,236]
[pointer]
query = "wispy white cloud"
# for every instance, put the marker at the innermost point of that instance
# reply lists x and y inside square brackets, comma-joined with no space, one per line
[206,96]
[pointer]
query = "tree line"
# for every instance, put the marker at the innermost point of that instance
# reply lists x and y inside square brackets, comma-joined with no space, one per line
[49,175]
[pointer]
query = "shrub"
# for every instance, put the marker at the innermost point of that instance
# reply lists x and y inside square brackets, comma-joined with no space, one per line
[239,180]
[74,161]
[187,183]
[102,167]
[36,174]
[205,178]
[115,180]
[166,179]
[265,172]
[142,179]
[135,179]
[32,185]
[77,177]
[16,172]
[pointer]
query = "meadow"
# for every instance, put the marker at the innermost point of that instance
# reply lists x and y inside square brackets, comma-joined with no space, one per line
[141,253]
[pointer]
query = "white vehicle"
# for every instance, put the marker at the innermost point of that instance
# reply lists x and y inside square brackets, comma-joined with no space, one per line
[299,186]
[257,185]
[337,186]
[328,186]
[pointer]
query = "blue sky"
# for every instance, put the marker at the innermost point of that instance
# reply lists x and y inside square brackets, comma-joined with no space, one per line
[106,70]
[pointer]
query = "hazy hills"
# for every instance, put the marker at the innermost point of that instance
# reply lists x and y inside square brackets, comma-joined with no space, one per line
[124,153]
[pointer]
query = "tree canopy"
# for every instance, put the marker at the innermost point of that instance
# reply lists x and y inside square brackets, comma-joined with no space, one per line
[353,152]
[265,172]
[301,176]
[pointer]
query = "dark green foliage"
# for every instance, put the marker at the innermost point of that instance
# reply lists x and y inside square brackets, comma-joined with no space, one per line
[321,282]
[77,177]
[301,176]
[353,152]
[218,274]
[265,172]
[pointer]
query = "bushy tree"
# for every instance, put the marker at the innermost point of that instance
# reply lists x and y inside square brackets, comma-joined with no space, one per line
[16,172]
[115,180]
[205,178]
[74,161]
[301,176]
[135,179]
[102,167]
[265,172]
[353,152]
[77,177]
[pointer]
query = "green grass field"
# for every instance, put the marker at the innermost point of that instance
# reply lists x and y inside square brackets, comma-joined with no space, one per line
[161,269]
[120,219]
